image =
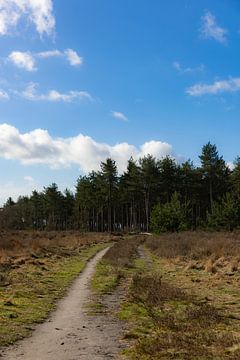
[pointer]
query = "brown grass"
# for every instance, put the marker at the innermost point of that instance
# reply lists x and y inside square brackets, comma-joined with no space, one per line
[121,254]
[212,252]
[179,325]
[153,292]
[196,245]
[204,324]
[15,246]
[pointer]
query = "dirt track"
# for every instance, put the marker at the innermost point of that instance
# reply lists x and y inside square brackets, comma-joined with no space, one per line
[70,333]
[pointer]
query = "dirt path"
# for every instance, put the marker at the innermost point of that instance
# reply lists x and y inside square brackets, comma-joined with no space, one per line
[70,333]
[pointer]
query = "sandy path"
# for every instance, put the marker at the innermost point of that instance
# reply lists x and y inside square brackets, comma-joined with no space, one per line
[70,333]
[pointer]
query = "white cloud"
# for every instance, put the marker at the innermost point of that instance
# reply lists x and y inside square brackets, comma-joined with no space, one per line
[38,147]
[155,148]
[188,70]
[49,54]
[119,116]
[23,60]
[37,12]
[27,60]
[30,93]
[211,30]
[3,95]
[231,85]
[73,58]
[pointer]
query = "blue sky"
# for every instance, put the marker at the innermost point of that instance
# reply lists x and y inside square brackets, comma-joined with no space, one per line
[83,80]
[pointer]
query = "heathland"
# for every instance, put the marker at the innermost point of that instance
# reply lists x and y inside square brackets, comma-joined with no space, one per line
[175,295]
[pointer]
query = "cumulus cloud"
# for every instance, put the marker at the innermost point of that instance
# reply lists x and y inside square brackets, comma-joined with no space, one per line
[73,58]
[38,147]
[30,93]
[23,60]
[211,30]
[231,85]
[37,12]
[27,60]
[3,95]
[187,70]
[119,116]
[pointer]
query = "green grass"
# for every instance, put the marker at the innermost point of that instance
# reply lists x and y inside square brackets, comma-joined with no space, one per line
[106,278]
[34,290]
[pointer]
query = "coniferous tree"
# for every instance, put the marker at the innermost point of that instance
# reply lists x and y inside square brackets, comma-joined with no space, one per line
[215,172]
[226,213]
[149,181]
[109,174]
[169,217]
[104,201]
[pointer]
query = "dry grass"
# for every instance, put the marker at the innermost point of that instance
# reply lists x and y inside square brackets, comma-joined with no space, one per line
[200,272]
[212,252]
[120,255]
[20,245]
[171,324]
[18,248]
[36,268]
[196,245]
[183,301]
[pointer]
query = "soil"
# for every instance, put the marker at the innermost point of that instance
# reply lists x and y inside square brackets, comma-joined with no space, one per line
[71,333]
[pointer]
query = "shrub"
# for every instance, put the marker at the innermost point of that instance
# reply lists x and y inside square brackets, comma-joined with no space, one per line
[170,217]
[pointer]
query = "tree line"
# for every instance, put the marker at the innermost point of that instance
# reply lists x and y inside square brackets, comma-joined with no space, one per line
[151,195]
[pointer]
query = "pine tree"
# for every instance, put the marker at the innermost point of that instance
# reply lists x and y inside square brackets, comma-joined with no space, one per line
[215,172]
[109,174]
[226,213]
[149,182]
[169,217]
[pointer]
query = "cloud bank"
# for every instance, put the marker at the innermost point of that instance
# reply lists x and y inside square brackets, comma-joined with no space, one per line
[39,147]
[37,12]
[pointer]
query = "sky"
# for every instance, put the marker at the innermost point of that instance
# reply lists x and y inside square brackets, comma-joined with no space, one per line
[83,80]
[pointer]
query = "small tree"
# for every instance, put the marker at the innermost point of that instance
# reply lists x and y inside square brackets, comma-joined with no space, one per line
[226,213]
[169,217]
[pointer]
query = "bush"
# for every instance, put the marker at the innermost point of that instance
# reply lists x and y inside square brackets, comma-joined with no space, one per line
[170,217]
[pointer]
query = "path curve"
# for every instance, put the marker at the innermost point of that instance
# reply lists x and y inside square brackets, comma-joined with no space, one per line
[69,334]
